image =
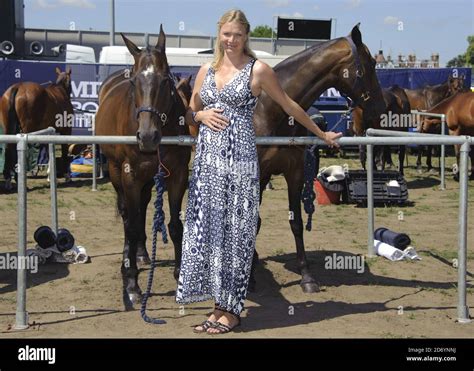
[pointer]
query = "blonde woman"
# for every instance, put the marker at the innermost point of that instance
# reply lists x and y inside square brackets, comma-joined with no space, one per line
[223,200]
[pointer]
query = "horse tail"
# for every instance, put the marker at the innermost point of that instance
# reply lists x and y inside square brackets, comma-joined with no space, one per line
[13,125]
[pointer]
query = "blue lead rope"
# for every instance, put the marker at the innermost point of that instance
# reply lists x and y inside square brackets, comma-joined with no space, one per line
[308,195]
[158,226]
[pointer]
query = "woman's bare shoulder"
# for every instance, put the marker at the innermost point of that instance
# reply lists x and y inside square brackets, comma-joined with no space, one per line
[261,67]
[202,72]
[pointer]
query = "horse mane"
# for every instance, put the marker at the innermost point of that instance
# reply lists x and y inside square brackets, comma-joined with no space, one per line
[288,63]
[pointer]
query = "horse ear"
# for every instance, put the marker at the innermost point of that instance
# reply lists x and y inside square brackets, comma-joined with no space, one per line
[356,35]
[57,70]
[161,44]
[190,77]
[132,48]
[68,70]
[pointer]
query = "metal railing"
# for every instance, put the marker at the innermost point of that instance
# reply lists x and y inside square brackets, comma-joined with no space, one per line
[420,139]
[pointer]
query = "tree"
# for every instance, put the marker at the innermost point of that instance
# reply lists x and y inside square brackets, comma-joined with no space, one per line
[261,31]
[459,61]
[470,51]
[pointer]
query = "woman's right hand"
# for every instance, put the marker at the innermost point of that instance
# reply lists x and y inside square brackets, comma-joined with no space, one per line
[330,137]
[213,119]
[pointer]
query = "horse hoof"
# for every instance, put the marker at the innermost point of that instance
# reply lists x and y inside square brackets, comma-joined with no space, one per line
[310,287]
[130,299]
[143,260]
[8,185]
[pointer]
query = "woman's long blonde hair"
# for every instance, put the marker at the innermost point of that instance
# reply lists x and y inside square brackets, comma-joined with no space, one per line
[229,16]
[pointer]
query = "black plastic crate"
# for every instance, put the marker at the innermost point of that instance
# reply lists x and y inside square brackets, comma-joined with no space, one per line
[356,187]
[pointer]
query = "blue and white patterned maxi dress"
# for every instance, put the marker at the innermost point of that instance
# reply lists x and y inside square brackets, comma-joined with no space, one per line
[223,200]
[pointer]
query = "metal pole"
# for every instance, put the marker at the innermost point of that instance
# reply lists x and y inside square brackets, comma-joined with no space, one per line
[112,23]
[370,199]
[443,148]
[21,314]
[94,164]
[463,309]
[53,187]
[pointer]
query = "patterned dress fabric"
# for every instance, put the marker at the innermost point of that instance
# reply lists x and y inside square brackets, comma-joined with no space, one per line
[223,201]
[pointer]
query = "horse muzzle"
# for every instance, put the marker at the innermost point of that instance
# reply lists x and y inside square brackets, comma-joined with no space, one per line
[148,141]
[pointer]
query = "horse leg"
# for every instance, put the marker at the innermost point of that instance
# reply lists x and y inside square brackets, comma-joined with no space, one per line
[176,185]
[264,180]
[387,157]
[429,151]
[363,155]
[142,254]
[9,166]
[132,196]
[294,180]
[457,148]
[65,160]
[418,159]
[401,158]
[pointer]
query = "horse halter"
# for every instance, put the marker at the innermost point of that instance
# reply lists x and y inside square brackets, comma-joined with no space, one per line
[162,115]
[365,96]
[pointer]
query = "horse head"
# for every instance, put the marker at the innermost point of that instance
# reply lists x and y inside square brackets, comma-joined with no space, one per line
[455,85]
[358,79]
[63,79]
[185,90]
[153,92]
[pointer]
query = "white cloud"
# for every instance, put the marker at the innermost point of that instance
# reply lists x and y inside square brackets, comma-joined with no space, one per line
[316,7]
[353,4]
[297,14]
[390,20]
[277,3]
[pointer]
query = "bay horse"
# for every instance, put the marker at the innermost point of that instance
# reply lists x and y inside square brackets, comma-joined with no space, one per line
[27,106]
[423,99]
[398,107]
[344,63]
[145,104]
[459,111]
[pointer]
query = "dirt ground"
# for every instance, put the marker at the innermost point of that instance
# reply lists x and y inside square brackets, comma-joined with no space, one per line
[388,300]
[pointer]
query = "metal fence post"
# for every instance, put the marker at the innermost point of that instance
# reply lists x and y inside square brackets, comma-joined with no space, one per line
[370,199]
[94,163]
[443,149]
[463,309]
[21,314]
[53,183]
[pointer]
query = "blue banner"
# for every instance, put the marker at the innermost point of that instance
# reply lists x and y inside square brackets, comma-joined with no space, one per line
[87,78]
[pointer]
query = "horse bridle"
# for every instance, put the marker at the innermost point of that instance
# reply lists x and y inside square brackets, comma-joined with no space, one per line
[162,115]
[365,96]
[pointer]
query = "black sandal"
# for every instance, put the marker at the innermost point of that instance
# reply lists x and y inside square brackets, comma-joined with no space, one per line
[204,326]
[223,328]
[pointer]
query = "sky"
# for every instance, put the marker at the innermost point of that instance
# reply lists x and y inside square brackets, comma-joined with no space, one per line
[422,27]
